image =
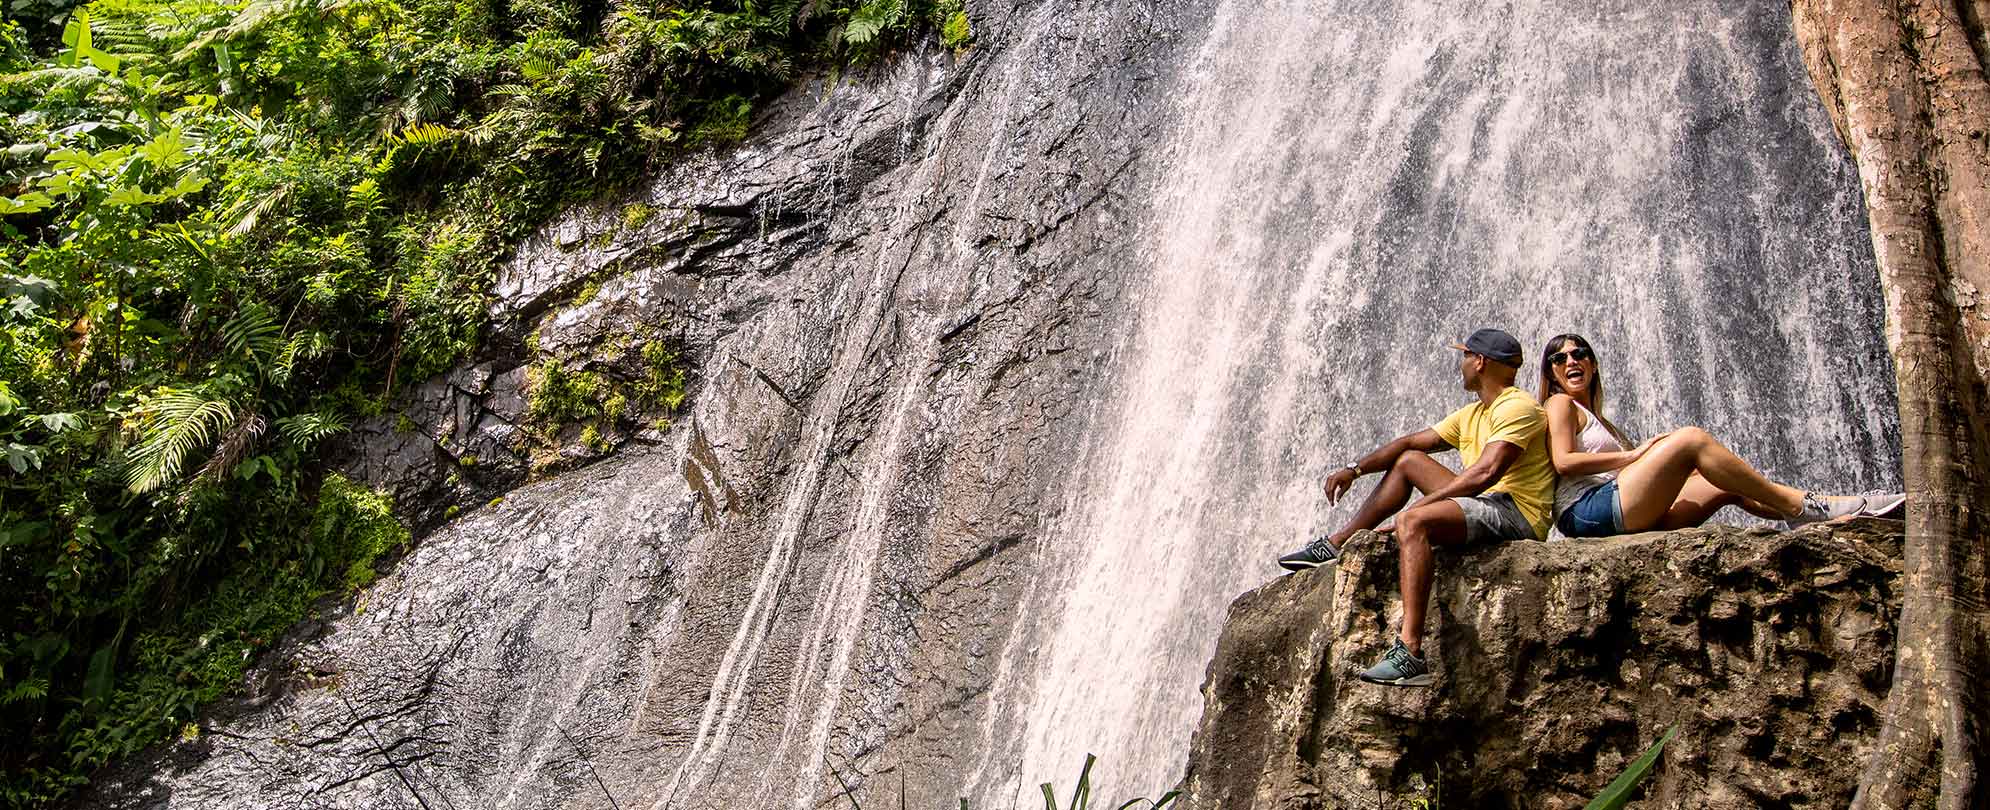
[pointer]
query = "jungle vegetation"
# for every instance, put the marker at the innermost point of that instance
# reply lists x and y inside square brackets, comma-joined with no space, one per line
[229,229]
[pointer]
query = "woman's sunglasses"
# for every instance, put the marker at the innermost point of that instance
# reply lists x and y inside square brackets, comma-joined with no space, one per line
[1577,353]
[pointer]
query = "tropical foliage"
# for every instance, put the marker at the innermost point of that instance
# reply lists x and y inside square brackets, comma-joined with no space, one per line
[228,229]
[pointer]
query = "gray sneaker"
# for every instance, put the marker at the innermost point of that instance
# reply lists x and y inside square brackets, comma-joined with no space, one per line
[1399,667]
[1315,554]
[1818,508]
[1889,505]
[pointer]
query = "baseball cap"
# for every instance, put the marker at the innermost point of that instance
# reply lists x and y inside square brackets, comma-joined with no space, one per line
[1492,344]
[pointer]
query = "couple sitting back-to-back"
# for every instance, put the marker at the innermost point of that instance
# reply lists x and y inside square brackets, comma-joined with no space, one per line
[1529,465]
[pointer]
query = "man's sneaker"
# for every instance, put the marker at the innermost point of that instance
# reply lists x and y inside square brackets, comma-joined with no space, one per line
[1818,508]
[1399,667]
[1315,554]
[1890,505]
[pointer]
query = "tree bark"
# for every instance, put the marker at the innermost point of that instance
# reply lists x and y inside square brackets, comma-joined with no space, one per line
[1904,83]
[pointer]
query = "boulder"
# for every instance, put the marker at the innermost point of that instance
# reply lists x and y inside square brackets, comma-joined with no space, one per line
[1557,664]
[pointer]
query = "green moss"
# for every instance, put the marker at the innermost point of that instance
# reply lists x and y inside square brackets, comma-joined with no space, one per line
[663,382]
[352,527]
[558,396]
[636,215]
[955,32]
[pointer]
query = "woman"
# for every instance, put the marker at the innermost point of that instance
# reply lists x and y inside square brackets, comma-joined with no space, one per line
[1673,480]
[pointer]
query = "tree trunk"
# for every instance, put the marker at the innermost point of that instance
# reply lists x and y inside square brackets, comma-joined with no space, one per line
[1904,82]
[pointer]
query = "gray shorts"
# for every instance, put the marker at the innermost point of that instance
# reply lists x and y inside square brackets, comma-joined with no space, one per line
[1494,517]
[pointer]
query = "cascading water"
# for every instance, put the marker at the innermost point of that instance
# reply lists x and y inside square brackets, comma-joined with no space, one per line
[1016,368]
[1352,186]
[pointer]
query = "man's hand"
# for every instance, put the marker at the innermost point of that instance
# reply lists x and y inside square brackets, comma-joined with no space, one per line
[1338,484]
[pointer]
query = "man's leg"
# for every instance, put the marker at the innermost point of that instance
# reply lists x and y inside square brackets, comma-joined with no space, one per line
[1434,524]
[1414,469]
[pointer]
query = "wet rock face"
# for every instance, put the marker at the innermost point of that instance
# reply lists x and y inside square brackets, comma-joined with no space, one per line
[895,306]
[1557,664]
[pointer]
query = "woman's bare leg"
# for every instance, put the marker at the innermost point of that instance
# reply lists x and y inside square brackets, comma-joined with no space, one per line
[1650,486]
[1698,500]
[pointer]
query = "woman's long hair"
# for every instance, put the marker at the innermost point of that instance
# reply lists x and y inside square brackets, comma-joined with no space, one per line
[1551,386]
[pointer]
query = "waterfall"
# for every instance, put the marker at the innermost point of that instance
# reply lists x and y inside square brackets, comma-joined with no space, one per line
[1352,186]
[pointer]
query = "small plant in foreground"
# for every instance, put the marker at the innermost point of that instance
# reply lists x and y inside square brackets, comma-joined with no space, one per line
[1618,792]
[1081,795]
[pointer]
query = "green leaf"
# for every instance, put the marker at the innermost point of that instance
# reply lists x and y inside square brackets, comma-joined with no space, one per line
[97,684]
[167,151]
[76,36]
[25,204]
[132,195]
[21,457]
[1618,793]
[59,422]
[187,185]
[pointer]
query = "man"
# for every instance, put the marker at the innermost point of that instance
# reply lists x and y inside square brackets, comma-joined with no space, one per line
[1506,491]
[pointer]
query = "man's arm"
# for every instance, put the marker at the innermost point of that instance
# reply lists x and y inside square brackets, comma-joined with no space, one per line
[1382,458]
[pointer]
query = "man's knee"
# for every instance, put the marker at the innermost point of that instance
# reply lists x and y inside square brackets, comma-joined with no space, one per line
[1414,526]
[1438,523]
[1407,458]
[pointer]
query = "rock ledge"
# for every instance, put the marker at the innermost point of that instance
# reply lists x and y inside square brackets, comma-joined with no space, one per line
[1557,664]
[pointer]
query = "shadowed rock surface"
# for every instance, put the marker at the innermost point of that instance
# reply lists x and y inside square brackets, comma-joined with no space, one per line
[1558,664]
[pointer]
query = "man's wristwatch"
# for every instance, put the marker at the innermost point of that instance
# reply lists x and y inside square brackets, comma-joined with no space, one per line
[1354,467]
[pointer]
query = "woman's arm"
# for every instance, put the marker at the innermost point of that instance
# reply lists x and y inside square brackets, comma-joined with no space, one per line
[1564,424]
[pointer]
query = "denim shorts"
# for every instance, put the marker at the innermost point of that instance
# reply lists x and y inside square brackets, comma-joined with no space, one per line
[1494,516]
[1598,513]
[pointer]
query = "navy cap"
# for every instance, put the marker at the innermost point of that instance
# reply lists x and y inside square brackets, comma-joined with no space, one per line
[1492,344]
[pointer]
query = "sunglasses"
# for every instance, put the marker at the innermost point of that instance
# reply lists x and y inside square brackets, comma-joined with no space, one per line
[1578,353]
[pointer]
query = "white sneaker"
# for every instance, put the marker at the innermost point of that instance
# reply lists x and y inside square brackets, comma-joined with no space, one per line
[1891,504]
[1818,508]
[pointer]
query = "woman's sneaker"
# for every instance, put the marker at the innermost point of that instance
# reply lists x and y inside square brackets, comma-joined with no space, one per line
[1315,554]
[1818,508]
[1399,667]
[1889,505]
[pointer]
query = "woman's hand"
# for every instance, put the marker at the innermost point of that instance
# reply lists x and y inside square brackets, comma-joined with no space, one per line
[1642,449]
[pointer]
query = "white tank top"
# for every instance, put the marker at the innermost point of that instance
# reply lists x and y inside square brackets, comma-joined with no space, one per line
[1594,438]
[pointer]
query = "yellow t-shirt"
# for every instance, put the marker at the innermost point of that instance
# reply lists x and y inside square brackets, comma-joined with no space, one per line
[1513,418]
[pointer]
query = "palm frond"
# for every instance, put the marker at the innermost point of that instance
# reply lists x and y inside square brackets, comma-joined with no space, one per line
[234,446]
[177,423]
[252,334]
[251,210]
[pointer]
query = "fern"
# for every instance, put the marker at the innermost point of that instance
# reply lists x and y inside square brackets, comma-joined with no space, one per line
[425,135]
[177,423]
[252,334]
[306,429]
[27,689]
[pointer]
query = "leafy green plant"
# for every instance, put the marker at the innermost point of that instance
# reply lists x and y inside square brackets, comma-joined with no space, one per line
[229,228]
[1618,793]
